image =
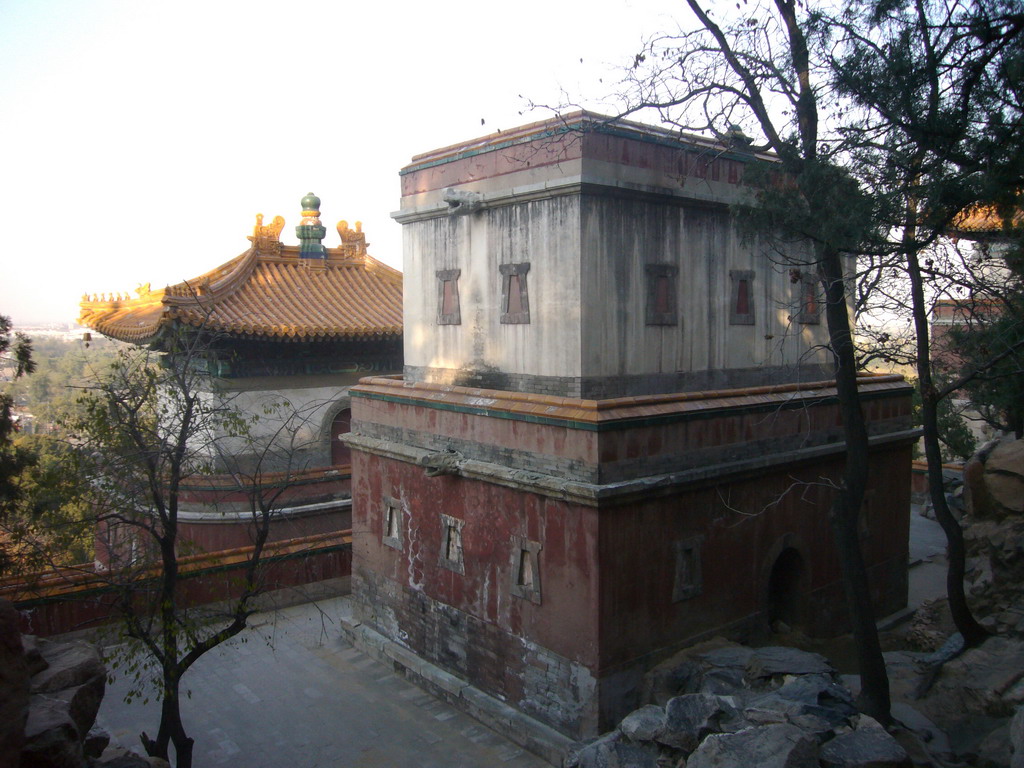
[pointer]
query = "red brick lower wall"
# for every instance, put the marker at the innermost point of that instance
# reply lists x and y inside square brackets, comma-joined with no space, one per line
[74,599]
[607,576]
[215,537]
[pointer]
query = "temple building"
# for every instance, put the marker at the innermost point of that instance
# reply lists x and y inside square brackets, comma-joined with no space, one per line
[280,324]
[616,432]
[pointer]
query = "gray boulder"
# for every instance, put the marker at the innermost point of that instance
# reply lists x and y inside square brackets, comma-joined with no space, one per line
[1017,739]
[611,751]
[75,674]
[125,761]
[723,669]
[714,666]
[36,662]
[96,740]
[52,739]
[819,690]
[596,754]
[767,746]
[14,687]
[118,757]
[69,665]
[822,722]
[869,746]
[84,702]
[936,741]
[691,717]
[995,749]
[644,724]
[766,665]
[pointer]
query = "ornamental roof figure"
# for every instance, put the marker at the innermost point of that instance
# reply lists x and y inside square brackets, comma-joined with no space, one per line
[273,291]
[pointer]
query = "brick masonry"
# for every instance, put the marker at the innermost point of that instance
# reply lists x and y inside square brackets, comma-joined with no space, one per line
[609,606]
[537,681]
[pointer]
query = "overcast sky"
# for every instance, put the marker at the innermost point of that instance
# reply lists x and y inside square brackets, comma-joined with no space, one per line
[140,139]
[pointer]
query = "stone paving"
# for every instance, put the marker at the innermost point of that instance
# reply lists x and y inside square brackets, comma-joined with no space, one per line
[293,694]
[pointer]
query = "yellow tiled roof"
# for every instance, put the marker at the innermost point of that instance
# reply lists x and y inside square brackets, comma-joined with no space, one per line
[267,292]
[986,220]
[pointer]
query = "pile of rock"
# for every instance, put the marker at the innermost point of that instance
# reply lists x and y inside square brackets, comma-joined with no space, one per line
[50,693]
[994,535]
[972,697]
[722,705]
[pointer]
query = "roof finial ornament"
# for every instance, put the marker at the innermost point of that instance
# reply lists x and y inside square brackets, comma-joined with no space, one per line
[353,241]
[310,231]
[266,238]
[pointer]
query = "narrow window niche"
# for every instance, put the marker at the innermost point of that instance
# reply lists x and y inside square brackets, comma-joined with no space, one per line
[448,312]
[741,302]
[661,294]
[810,307]
[392,523]
[515,301]
[689,580]
[526,569]
[451,544]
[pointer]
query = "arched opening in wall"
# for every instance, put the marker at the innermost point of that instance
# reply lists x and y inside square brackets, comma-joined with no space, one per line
[340,453]
[784,589]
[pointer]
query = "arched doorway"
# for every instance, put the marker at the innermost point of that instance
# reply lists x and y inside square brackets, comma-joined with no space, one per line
[340,453]
[784,589]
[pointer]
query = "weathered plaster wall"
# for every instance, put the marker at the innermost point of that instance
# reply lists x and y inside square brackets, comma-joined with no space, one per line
[293,412]
[545,234]
[590,212]
[535,656]
[621,236]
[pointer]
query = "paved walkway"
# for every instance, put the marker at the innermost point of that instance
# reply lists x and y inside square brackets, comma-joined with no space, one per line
[927,559]
[293,695]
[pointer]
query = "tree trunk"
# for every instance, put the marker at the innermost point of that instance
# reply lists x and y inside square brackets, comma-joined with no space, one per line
[172,730]
[874,696]
[972,632]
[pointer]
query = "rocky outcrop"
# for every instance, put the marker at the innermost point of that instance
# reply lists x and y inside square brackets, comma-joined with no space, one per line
[1017,739]
[66,693]
[50,693]
[722,705]
[995,480]
[971,697]
[14,687]
[994,535]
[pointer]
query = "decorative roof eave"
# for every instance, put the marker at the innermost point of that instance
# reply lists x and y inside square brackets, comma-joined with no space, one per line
[286,333]
[986,222]
[271,291]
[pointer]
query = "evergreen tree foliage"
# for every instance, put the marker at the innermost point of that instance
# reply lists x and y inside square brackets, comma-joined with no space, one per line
[990,350]
[16,358]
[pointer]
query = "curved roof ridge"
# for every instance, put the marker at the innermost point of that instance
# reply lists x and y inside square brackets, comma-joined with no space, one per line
[217,282]
[262,293]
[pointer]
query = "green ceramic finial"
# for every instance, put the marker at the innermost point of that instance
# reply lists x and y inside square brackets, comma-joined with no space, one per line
[311,203]
[310,231]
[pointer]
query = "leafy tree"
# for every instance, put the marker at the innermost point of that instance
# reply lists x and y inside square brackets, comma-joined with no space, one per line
[16,357]
[142,430]
[50,525]
[761,70]
[990,351]
[934,130]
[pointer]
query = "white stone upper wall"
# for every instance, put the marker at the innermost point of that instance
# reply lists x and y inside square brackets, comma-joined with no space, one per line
[597,213]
